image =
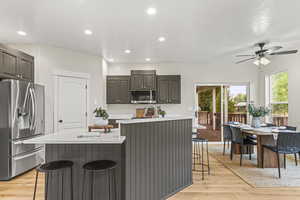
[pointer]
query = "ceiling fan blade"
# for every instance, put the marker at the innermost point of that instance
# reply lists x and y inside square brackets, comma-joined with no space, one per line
[241,61]
[274,48]
[284,52]
[244,55]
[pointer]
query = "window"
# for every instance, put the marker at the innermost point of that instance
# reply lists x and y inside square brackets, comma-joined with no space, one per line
[277,97]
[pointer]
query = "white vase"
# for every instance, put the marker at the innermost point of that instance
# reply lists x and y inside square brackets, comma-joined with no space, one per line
[99,121]
[255,122]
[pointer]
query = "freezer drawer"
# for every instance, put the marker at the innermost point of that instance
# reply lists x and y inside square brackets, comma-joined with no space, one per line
[23,163]
[17,147]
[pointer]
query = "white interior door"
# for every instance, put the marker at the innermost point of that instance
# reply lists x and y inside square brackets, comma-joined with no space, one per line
[71,103]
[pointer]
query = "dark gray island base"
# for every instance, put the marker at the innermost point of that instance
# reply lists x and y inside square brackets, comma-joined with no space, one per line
[158,158]
[81,154]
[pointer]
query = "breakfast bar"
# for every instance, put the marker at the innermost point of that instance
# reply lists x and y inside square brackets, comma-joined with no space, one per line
[82,147]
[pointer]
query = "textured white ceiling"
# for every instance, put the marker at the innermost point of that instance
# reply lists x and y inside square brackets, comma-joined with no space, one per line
[195,30]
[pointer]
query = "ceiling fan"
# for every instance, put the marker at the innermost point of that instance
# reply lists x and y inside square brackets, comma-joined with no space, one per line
[260,56]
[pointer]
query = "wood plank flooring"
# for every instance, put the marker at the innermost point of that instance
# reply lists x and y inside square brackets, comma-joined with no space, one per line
[222,184]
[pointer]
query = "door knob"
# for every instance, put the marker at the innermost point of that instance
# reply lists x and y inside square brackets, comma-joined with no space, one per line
[60,121]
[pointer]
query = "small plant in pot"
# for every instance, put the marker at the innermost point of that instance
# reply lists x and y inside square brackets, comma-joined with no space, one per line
[257,113]
[161,112]
[101,117]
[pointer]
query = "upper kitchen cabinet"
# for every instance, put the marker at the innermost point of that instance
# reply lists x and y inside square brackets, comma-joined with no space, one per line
[26,68]
[16,64]
[8,63]
[169,89]
[143,80]
[117,90]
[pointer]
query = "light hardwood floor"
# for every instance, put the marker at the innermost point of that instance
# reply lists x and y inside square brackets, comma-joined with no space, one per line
[222,184]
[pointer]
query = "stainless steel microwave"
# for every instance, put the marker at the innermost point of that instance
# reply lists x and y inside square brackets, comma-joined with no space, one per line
[143,97]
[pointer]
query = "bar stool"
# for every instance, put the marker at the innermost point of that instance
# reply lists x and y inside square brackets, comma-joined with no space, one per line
[198,155]
[59,166]
[104,167]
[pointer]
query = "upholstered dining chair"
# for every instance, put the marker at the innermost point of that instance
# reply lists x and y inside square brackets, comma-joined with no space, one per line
[239,138]
[227,135]
[287,143]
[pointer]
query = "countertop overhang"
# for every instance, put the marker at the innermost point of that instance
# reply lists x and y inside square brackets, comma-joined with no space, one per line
[79,137]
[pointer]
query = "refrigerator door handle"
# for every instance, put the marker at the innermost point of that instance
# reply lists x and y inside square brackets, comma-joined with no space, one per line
[34,111]
[32,119]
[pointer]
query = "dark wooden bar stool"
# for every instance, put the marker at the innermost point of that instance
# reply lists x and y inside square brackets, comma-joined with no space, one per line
[198,155]
[60,167]
[100,167]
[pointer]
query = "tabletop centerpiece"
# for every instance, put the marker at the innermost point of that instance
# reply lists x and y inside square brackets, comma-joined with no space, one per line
[257,113]
[101,117]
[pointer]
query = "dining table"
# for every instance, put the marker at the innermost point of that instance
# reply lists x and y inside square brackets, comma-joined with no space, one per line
[265,136]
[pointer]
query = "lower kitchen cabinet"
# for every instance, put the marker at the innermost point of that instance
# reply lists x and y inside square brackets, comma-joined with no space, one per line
[169,89]
[117,90]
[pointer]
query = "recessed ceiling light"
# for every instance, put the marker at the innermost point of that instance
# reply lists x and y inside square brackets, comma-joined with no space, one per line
[23,33]
[88,32]
[151,11]
[148,59]
[127,51]
[161,39]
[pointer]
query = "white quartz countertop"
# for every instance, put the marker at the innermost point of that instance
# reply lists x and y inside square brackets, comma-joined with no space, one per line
[121,116]
[79,137]
[145,120]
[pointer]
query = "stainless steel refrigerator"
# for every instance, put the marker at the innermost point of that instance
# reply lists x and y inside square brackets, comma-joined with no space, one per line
[22,116]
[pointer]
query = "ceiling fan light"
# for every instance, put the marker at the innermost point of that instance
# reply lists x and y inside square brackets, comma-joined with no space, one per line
[264,61]
[256,62]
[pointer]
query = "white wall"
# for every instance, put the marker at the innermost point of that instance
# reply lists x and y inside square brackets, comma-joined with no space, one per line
[291,64]
[191,73]
[49,59]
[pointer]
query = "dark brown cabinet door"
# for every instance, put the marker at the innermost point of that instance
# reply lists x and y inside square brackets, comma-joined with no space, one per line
[163,90]
[169,89]
[149,82]
[117,90]
[9,64]
[111,91]
[26,69]
[124,93]
[137,82]
[174,91]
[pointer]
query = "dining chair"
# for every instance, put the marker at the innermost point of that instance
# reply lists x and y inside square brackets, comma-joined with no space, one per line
[226,136]
[287,143]
[239,138]
[290,128]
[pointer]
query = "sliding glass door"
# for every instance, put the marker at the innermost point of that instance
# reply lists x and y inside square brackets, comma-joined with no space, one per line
[218,104]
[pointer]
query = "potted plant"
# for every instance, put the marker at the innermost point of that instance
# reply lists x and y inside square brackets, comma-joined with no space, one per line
[257,113]
[101,117]
[161,112]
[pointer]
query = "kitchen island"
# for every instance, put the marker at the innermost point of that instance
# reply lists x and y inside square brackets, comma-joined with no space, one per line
[158,156]
[154,156]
